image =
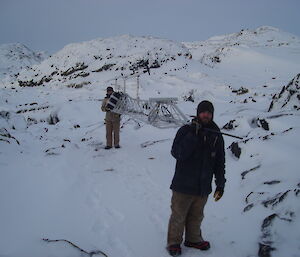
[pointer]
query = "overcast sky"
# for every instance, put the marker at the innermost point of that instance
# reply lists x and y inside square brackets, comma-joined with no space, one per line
[51,24]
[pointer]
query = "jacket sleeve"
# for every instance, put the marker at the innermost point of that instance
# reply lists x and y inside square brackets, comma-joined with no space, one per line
[103,106]
[219,170]
[184,144]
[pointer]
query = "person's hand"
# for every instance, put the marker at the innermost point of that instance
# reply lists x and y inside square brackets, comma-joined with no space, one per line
[218,194]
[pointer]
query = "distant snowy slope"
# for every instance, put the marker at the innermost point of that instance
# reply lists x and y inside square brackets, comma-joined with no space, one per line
[96,61]
[16,57]
[264,39]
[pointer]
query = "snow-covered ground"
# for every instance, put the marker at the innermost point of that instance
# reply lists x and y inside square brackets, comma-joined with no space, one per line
[57,181]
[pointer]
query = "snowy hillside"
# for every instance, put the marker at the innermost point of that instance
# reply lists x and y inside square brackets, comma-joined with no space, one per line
[57,181]
[14,58]
[96,61]
[263,40]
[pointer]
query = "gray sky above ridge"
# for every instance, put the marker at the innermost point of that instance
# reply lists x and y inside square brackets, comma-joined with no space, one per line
[49,25]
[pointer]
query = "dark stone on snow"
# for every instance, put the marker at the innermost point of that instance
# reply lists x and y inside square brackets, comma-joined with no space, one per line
[272,182]
[5,115]
[189,97]
[265,250]
[235,149]
[140,64]
[32,109]
[259,193]
[240,91]
[268,222]
[80,85]
[155,65]
[105,67]
[77,67]
[257,122]
[53,119]
[286,93]
[248,207]
[264,124]
[230,125]
[244,173]
[278,198]
[82,74]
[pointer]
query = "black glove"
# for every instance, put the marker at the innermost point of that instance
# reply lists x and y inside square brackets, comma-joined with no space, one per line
[218,193]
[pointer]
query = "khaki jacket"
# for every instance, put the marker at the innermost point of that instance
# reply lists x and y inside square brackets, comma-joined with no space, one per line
[110,116]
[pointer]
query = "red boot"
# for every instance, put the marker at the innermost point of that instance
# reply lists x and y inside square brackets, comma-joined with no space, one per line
[174,250]
[203,245]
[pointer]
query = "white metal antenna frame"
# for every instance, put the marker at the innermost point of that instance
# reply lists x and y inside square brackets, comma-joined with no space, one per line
[158,112]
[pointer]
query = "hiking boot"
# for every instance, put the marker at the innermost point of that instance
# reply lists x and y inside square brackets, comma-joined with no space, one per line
[107,147]
[174,250]
[203,245]
[117,146]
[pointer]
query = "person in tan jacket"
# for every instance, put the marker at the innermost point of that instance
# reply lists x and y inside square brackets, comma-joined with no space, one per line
[112,122]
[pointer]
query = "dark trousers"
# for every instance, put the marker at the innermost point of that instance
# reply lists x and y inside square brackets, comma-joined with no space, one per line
[187,214]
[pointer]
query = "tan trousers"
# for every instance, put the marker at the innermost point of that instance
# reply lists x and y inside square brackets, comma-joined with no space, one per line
[187,214]
[112,131]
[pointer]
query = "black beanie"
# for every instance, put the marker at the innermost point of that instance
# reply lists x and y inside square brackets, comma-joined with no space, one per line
[205,106]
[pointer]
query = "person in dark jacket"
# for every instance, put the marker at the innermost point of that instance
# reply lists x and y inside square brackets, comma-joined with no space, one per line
[199,155]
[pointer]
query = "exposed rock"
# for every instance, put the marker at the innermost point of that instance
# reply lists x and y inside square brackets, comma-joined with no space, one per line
[264,124]
[289,96]
[248,207]
[140,64]
[6,134]
[190,96]
[273,182]
[5,115]
[81,74]
[31,121]
[53,119]
[265,247]
[155,65]
[240,91]
[265,250]
[235,149]
[105,67]
[78,66]
[80,85]
[230,125]
[244,173]
[32,109]
[255,194]
[261,123]
[278,198]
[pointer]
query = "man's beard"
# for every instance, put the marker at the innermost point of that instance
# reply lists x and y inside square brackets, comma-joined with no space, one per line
[205,121]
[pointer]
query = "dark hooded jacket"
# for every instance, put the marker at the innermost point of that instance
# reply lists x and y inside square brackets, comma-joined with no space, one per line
[199,155]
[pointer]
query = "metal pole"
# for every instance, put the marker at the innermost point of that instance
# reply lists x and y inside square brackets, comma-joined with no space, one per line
[222,133]
[116,85]
[138,87]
